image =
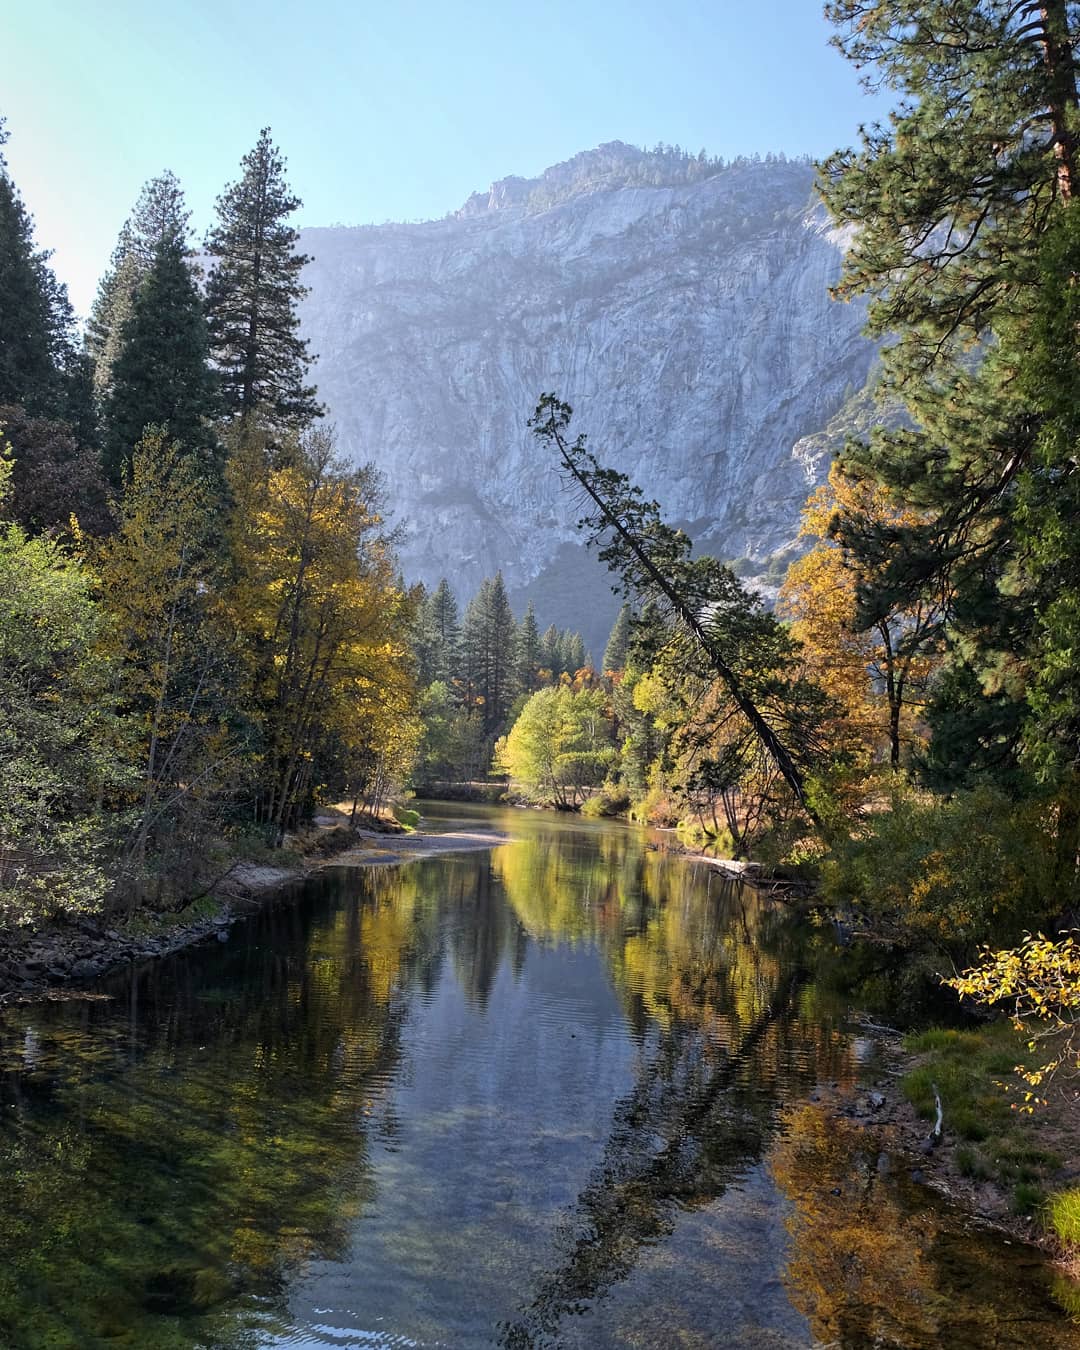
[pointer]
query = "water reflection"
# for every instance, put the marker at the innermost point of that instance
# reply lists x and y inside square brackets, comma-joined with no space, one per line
[874,1263]
[546,1096]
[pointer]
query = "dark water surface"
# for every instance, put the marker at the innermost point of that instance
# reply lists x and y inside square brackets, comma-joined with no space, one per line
[552,1095]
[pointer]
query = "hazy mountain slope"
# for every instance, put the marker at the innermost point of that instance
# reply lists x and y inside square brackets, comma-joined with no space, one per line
[687,322]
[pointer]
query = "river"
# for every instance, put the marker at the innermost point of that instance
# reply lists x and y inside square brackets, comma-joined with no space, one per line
[560,1093]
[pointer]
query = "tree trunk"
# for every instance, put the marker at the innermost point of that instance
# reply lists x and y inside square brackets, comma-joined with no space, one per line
[1061,71]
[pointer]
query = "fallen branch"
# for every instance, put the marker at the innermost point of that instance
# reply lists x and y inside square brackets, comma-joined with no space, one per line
[935,1134]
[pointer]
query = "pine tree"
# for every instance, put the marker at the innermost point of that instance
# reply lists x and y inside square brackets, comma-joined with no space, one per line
[550,651]
[528,651]
[252,294]
[574,647]
[161,375]
[111,310]
[442,617]
[618,644]
[37,351]
[951,202]
[487,644]
[159,214]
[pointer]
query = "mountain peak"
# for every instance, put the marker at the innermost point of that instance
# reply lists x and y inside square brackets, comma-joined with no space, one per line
[609,166]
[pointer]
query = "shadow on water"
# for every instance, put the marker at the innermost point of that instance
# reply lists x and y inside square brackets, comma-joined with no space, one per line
[554,1095]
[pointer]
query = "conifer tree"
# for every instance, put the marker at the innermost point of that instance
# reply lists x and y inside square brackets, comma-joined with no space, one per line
[37,352]
[252,294]
[161,376]
[159,214]
[442,611]
[550,652]
[618,644]
[952,201]
[488,663]
[574,647]
[528,651]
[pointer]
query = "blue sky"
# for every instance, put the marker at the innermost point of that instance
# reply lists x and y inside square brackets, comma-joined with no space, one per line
[394,110]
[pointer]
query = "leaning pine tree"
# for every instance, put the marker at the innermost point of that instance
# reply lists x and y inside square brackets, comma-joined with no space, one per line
[718,622]
[252,294]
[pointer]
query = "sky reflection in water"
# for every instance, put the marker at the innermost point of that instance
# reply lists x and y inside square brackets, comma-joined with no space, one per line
[554,1095]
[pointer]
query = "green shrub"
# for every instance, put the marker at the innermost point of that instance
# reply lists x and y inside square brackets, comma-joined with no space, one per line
[612,800]
[971,1163]
[976,868]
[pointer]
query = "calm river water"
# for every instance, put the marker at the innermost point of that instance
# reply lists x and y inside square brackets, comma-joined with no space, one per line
[554,1094]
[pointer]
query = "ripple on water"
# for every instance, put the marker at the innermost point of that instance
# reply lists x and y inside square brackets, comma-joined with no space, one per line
[550,1096]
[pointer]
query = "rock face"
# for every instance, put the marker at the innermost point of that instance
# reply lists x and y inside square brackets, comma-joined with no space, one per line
[681,308]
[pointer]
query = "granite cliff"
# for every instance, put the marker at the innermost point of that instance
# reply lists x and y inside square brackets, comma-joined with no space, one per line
[681,306]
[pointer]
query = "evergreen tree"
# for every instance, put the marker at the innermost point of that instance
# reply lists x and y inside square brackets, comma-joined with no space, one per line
[550,653]
[252,294]
[160,214]
[161,377]
[528,651]
[442,612]
[37,352]
[574,647]
[487,642]
[618,644]
[952,201]
[111,310]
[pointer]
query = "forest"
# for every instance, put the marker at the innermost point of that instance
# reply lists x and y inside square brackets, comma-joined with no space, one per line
[204,634]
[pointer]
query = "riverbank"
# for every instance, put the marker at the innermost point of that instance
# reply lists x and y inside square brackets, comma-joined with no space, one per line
[991,1159]
[65,958]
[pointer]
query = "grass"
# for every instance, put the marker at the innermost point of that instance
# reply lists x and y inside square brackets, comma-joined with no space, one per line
[147,923]
[966,1068]
[1063,1217]
[969,1069]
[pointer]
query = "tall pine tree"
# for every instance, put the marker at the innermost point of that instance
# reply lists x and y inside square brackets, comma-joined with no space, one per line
[487,642]
[951,202]
[528,651]
[38,361]
[618,644]
[161,376]
[442,616]
[252,294]
[160,214]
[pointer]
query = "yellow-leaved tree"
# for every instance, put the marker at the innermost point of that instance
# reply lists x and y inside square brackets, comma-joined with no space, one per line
[323,623]
[174,660]
[875,665]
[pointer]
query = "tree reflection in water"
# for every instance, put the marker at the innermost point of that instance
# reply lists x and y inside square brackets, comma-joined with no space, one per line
[329,1091]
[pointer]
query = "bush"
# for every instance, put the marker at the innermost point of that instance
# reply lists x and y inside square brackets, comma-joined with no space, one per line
[655,808]
[976,868]
[612,800]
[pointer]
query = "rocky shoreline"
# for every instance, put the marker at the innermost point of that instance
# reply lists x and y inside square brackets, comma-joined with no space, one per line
[905,1141]
[63,960]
